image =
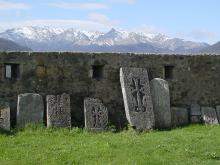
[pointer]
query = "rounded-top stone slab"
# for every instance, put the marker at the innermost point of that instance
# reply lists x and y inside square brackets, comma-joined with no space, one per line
[30,109]
[161,103]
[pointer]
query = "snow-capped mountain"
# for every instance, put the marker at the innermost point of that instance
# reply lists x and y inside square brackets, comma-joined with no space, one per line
[56,39]
[7,45]
[213,49]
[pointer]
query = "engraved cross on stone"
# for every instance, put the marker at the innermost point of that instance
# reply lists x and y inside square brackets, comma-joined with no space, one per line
[138,93]
[96,114]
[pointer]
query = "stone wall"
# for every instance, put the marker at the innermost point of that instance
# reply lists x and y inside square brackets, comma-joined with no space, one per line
[192,79]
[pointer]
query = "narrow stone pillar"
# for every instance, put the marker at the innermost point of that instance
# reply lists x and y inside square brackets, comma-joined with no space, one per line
[161,103]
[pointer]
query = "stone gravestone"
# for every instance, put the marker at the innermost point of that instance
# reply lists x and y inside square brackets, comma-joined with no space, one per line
[5,116]
[209,115]
[218,112]
[137,98]
[161,103]
[180,116]
[58,111]
[30,109]
[96,115]
[195,113]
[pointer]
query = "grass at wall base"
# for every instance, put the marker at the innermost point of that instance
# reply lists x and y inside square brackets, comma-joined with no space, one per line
[196,144]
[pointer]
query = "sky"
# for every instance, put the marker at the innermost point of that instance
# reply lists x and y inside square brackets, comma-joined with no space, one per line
[196,20]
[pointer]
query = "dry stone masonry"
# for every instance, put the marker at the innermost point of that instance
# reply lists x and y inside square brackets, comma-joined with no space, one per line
[209,115]
[30,109]
[137,98]
[58,111]
[4,116]
[161,103]
[96,115]
[191,78]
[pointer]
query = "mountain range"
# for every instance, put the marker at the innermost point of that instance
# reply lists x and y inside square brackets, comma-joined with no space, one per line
[213,49]
[57,39]
[7,45]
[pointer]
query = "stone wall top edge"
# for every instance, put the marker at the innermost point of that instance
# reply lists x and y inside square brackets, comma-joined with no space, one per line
[108,54]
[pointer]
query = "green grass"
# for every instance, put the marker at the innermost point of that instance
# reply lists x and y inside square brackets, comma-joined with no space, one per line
[38,145]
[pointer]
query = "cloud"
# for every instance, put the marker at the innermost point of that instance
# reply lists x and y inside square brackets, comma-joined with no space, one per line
[148,29]
[198,35]
[130,2]
[102,19]
[201,34]
[58,23]
[5,5]
[83,6]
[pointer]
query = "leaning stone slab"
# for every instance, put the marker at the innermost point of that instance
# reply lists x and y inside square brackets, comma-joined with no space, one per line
[30,109]
[96,115]
[58,111]
[161,103]
[209,115]
[218,112]
[180,116]
[137,98]
[195,113]
[5,116]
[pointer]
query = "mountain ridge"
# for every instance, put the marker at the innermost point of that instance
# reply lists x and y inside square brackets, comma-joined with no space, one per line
[57,39]
[213,49]
[8,45]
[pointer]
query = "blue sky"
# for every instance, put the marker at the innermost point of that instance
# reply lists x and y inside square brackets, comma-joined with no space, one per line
[196,20]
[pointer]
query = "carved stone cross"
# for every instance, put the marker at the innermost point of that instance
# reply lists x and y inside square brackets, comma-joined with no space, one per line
[137,98]
[96,114]
[137,91]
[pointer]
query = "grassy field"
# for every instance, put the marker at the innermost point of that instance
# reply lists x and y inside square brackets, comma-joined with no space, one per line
[38,145]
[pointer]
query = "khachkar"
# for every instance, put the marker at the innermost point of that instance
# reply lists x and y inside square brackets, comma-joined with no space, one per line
[137,98]
[58,111]
[4,116]
[161,103]
[30,109]
[96,115]
[209,115]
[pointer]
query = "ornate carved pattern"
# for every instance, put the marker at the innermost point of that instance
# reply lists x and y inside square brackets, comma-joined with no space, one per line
[99,118]
[137,90]
[58,110]
[96,114]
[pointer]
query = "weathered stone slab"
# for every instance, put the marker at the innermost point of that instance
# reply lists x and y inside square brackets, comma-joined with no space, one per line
[218,112]
[180,116]
[58,111]
[5,116]
[30,109]
[209,115]
[161,103]
[195,113]
[137,98]
[96,115]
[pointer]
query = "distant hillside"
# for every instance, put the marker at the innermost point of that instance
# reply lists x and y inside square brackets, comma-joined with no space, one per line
[213,49]
[7,45]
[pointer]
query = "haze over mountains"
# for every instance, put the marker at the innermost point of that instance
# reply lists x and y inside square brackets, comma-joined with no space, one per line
[7,45]
[56,39]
